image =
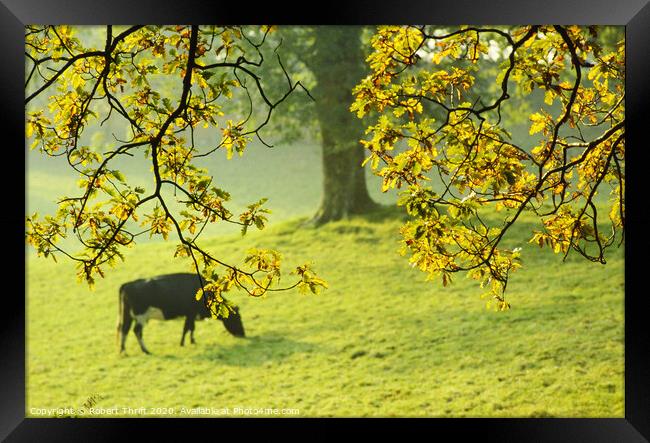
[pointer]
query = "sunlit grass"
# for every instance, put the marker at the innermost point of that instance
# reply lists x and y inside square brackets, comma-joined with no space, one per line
[380,342]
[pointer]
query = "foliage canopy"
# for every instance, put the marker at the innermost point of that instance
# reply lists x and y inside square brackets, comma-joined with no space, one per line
[432,125]
[439,132]
[125,78]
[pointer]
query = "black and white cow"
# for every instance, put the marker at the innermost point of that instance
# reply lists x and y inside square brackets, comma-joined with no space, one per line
[166,297]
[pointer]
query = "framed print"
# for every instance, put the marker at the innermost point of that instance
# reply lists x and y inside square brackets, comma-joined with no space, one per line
[390,216]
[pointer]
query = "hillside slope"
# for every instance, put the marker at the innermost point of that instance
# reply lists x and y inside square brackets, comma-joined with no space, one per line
[380,342]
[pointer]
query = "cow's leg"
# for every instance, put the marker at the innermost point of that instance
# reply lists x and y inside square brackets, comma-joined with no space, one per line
[124,330]
[185,329]
[138,333]
[192,332]
[188,326]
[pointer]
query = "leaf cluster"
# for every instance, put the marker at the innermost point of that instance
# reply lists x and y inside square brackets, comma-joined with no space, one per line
[442,139]
[161,83]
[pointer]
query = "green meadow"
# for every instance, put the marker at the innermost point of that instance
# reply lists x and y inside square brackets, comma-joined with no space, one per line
[380,342]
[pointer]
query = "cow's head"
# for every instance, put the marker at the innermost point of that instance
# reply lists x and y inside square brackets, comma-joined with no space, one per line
[233,323]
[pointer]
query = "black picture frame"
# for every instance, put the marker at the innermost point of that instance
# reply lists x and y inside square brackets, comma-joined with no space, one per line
[634,14]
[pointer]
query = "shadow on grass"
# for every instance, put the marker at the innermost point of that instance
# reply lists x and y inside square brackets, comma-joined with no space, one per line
[257,351]
[383,213]
[378,214]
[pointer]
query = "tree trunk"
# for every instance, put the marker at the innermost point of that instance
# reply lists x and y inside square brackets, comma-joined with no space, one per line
[338,67]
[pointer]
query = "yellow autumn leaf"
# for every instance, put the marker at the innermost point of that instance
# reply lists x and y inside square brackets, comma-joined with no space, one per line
[539,122]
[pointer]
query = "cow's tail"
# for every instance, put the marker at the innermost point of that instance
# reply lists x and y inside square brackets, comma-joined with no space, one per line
[122,313]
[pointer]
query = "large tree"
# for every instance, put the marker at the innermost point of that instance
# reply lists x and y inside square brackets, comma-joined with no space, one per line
[163,83]
[331,61]
[336,61]
[467,179]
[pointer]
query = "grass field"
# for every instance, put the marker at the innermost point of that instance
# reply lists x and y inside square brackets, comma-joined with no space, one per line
[380,342]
